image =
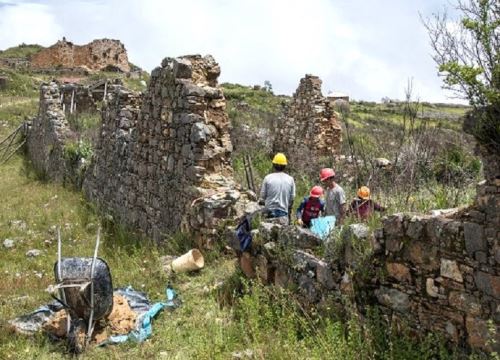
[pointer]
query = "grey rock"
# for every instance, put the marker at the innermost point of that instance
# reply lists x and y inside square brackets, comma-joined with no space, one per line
[182,68]
[33,253]
[8,243]
[449,269]
[324,275]
[200,132]
[245,354]
[357,231]
[474,238]
[487,283]
[415,228]
[393,298]
[18,225]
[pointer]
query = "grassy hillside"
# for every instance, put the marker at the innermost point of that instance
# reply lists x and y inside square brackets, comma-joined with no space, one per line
[21,51]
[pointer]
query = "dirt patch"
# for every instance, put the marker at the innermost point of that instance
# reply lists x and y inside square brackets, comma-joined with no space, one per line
[122,318]
[57,324]
[121,321]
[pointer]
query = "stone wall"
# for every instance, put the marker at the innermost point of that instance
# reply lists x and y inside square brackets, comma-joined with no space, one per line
[162,163]
[309,128]
[162,159]
[436,274]
[48,134]
[96,56]
[15,63]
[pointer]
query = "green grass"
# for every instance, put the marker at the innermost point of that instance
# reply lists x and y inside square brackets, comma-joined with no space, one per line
[21,83]
[21,51]
[255,108]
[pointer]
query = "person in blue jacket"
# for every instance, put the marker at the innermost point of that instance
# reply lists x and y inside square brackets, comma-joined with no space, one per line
[311,207]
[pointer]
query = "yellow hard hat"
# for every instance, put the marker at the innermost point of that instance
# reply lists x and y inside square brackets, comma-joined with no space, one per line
[280,159]
[364,192]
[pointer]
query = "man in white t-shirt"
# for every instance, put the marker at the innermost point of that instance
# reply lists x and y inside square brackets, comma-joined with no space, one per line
[334,195]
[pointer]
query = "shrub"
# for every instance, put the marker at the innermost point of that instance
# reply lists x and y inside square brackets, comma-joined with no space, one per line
[75,151]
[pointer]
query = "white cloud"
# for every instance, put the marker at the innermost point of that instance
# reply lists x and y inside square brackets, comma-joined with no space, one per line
[364,48]
[25,22]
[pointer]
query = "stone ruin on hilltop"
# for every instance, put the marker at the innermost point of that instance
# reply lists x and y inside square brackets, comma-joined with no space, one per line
[162,159]
[309,129]
[66,57]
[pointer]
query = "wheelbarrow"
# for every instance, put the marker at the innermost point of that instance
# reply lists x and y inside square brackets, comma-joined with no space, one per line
[84,288]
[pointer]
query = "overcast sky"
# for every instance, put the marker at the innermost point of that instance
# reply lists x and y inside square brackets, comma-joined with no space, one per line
[365,48]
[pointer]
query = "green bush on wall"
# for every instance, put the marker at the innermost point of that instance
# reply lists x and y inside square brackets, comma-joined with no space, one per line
[74,151]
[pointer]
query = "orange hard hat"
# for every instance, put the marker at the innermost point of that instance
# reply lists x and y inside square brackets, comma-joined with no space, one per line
[316,191]
[364,192]
[326,173]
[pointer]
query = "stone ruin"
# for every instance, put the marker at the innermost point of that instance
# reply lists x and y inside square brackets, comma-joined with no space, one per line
[436,273]
[309,128]
[101,54]
[48,135]
[162,164]
[162,159]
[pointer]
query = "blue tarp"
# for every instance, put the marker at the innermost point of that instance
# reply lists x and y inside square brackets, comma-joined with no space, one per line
[145,313]
[138,302]
[323,226]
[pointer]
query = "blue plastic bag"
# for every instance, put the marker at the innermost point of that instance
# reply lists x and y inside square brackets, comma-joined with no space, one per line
[323,226]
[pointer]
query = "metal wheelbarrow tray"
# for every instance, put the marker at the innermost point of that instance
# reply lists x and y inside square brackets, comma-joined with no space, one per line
[84,288]
[75,282]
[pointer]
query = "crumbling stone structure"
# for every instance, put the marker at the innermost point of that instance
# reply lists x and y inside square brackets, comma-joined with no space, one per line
[15,63]
[48,135]
[435,273]
[98,55]
[308,128]
[163,160]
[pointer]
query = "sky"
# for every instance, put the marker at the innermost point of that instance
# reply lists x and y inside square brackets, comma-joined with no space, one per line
[365,48]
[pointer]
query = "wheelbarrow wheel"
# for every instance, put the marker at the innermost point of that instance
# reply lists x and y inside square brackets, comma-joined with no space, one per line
[77,337]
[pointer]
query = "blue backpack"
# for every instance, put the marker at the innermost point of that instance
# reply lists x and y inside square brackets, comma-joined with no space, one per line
[243,233]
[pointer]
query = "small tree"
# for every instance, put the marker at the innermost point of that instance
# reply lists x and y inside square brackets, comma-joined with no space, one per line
[467,52]
[268,86]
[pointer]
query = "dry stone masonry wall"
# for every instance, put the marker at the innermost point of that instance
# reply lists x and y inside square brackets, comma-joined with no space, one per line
[163,160]
[48,135]
[436,274]
[309,128]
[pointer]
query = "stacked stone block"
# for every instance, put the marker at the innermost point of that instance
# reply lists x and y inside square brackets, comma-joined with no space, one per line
[309,128]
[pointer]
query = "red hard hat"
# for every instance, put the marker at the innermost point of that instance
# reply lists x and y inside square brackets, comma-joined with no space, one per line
[326,173]
[316,191]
